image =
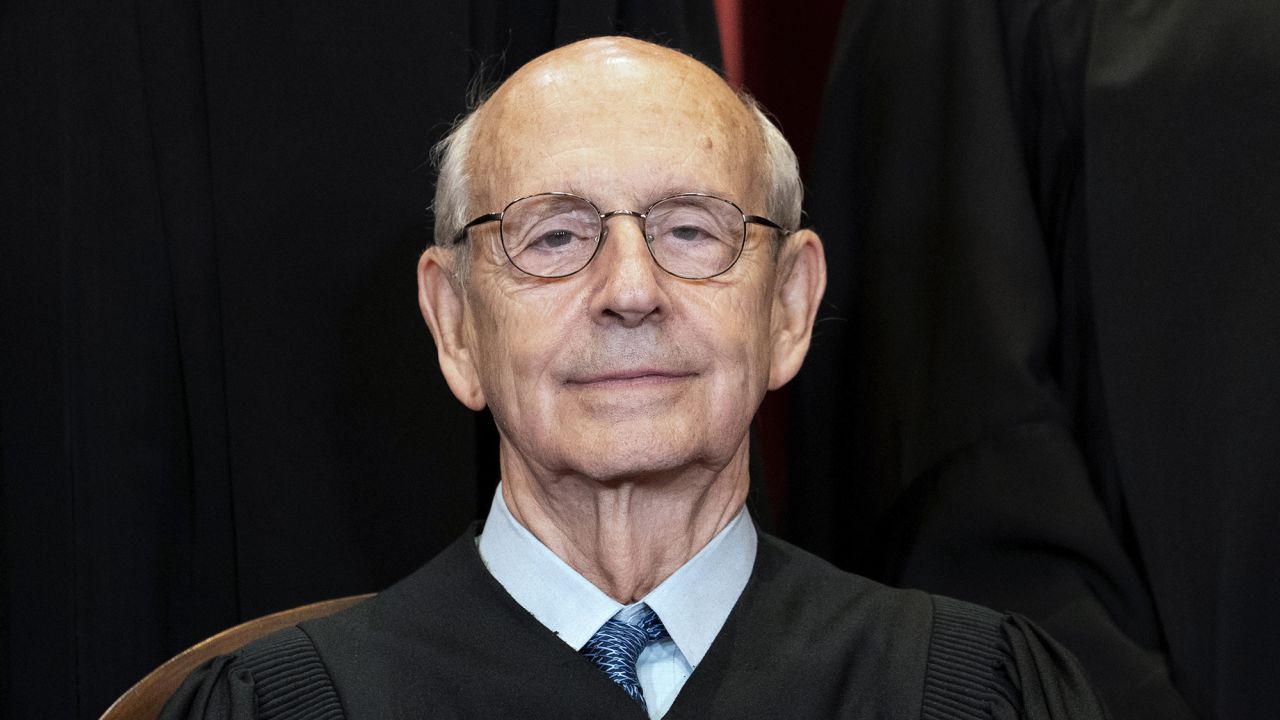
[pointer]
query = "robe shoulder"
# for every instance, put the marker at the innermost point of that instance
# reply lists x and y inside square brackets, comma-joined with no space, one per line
[957,660]
[279,677]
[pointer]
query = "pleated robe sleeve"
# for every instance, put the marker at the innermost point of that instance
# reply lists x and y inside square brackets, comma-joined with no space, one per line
[280,677]
[1053,685]
[985,665]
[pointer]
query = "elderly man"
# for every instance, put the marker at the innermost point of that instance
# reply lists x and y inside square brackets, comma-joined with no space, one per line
[618,275]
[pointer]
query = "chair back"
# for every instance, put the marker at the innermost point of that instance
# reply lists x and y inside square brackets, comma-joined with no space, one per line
[146,699]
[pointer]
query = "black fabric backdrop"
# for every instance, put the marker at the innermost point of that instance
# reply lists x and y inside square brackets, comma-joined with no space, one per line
[217,397]
[1047,378]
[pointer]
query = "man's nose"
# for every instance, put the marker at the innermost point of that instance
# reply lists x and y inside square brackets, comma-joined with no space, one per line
[628,291]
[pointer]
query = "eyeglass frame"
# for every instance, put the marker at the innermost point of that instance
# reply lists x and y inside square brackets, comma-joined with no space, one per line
[461,236]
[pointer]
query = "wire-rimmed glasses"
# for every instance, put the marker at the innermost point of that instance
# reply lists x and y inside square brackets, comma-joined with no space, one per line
[555,234]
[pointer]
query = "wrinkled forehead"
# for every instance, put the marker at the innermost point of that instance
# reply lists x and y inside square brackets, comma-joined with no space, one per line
[621,120]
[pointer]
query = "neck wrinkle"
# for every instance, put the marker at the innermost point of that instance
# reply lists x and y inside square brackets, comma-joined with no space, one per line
[626,537]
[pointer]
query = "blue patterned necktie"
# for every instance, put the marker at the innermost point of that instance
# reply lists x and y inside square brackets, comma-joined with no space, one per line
[617,645]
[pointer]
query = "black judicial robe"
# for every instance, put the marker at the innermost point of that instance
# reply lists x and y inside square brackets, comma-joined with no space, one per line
[805,640]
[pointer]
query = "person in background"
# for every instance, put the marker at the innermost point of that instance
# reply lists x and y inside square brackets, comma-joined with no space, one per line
[1053,389]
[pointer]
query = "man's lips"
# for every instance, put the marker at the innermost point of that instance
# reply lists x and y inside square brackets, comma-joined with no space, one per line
[635,376]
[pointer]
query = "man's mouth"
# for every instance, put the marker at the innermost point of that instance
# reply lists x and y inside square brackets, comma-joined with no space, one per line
[630,377]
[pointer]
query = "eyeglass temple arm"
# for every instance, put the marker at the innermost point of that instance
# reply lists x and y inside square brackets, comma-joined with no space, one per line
[462,234]
[761,220]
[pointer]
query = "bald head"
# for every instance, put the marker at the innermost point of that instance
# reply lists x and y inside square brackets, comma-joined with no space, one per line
[630,100]
[615,66]
[617,92]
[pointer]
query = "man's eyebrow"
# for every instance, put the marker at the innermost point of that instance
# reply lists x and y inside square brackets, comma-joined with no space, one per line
[579,190]
[667,191]
[645,198]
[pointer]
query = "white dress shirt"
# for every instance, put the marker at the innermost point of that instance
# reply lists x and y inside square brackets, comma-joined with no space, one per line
[692,603]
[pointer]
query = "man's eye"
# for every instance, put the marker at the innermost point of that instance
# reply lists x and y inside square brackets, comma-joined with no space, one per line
[689,233]
[555,239]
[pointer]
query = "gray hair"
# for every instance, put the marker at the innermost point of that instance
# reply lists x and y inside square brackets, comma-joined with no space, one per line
[784,192]
[450,155]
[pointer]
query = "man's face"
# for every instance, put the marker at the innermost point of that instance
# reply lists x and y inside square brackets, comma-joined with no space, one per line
[621,369]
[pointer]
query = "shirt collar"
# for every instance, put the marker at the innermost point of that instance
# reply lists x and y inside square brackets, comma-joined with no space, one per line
[696,599]
[693,602]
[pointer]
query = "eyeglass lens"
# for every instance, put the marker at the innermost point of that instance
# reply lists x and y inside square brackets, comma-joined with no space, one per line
[692,236]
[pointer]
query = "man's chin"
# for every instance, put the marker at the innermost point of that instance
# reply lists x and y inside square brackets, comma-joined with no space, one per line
[630,461]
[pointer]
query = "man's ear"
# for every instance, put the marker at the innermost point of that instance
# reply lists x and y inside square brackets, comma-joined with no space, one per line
[443,307]
[802,278]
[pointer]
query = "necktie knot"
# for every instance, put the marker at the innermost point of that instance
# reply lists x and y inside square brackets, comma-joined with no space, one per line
[617,645]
